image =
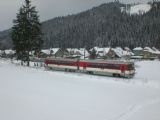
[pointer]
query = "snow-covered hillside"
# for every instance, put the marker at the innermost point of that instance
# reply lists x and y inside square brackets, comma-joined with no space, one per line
[138,9]
[38,94]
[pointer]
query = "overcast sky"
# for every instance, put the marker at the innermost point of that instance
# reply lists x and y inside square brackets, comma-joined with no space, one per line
[47,8]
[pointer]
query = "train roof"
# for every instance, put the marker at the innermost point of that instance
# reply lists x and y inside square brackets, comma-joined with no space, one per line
[109,61]
[94,61]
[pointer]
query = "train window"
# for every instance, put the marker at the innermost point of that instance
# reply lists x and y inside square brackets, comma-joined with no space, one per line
[104,66]
[95,65]
[111,66]
[63,62]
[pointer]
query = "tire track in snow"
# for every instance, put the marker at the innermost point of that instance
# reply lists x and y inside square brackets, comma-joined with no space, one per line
[131,110]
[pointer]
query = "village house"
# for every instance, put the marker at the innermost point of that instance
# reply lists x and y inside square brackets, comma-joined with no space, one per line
[81,53]
[52,52]
[157,52]
[118,52]
[138,51]
[127,53]
[8,53]
[102,53]
[124,54]
[149,53]
[56,52]
[44,53]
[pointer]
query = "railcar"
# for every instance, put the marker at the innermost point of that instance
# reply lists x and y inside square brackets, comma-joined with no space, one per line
[97,67]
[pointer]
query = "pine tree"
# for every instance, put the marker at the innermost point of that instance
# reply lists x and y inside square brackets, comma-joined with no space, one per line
[26,32]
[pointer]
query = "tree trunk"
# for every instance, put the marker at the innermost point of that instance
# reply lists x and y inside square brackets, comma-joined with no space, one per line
[28,60]
[28,63]
[22,63]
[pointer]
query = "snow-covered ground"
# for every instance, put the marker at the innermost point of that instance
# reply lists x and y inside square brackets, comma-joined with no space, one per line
[38,94]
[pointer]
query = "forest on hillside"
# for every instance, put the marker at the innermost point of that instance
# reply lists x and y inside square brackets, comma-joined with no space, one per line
[105,25]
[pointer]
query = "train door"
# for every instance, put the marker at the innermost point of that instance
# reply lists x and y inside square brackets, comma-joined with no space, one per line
[78,64]
[122,68]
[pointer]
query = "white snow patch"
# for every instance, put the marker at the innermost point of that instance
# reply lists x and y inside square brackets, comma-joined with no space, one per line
[140,9]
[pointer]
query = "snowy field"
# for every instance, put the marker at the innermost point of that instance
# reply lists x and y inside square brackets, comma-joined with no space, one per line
[38,94]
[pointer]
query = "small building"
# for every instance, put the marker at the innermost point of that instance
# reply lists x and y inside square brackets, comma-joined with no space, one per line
[81,53]
[157,52]
[125,53]
[65,52]
[44,53]
[102,53]
[8,53]
[52,52]
[84,53]
[56,52]
[138,51]
[149,53]
[129,51]
[118,52]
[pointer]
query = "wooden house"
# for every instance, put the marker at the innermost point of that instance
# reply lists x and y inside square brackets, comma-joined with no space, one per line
[149,53]
[56,52]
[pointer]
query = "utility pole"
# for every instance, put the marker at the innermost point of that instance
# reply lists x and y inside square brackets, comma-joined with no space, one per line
[84,52]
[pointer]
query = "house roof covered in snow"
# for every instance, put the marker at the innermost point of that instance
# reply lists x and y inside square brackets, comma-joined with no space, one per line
[149,50]
[83,51]
[54,50]
[80,51]
[101,51]
[138,48]
[127,49]
[9,52]
[118,51]
[50,51]
[156,50]
[46,51]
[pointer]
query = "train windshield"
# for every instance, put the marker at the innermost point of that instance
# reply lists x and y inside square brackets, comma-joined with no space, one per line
[130,67]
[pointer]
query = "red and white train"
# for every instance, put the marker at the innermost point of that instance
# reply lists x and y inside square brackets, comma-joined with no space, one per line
[98,67]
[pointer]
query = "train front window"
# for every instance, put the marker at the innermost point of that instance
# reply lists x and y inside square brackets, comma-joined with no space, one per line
[130,67]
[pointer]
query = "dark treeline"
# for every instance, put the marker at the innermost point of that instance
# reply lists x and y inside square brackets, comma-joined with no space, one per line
[5,40]
[104,25]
